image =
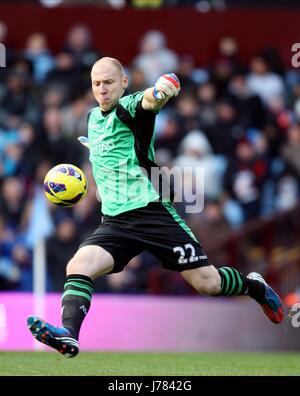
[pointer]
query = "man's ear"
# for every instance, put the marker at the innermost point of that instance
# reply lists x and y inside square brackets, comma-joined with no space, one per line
[125,82]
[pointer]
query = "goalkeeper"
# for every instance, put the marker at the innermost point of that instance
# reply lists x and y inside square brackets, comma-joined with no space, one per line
[120,139]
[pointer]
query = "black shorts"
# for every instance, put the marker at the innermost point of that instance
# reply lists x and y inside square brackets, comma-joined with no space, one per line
[156,228]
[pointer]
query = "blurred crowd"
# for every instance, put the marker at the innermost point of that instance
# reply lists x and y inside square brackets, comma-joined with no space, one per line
[238,122]
[200,5]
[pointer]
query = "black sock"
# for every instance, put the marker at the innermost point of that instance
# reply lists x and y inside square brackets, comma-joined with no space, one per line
[76,302]
[256,290]
[234,283]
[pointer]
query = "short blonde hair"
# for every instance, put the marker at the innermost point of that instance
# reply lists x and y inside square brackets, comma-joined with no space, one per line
[114,61]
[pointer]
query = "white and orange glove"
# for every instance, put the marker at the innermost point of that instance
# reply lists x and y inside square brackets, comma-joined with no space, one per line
[167,85]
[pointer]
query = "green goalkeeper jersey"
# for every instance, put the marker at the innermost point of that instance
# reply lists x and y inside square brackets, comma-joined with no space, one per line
[122,154]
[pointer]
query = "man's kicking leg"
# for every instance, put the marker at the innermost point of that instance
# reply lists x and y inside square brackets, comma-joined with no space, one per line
[87,264]
[227,281]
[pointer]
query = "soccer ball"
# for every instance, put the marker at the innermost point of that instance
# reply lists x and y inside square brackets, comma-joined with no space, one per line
[65,185]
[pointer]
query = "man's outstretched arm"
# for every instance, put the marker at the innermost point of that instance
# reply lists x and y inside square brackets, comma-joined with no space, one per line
[166,87]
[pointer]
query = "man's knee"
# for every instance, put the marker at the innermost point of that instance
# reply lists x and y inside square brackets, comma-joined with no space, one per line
[205,280]
[91,261]
[79,260]
[73,265]
[210,286]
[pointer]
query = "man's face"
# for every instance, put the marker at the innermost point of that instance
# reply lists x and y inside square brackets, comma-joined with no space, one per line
[108,84]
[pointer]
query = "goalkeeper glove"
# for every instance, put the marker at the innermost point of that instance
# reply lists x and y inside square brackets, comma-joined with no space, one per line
[167,85]
[84,141]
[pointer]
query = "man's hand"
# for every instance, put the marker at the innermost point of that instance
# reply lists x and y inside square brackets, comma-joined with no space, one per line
[84,141]
[167,85]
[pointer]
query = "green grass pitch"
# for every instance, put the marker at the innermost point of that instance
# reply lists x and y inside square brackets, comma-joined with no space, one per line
[149,364]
